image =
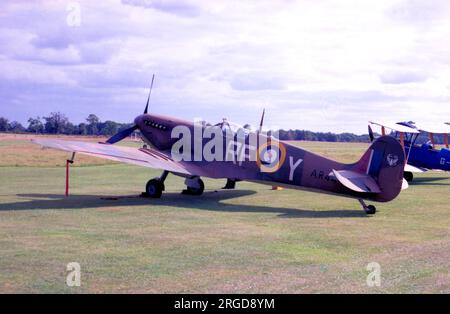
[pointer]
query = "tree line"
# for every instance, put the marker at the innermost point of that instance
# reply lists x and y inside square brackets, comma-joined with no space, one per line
[303,135]
[58,123]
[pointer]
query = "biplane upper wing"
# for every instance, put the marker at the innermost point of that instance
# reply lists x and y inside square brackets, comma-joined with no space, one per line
[136,156]
[395,127]
[435,129]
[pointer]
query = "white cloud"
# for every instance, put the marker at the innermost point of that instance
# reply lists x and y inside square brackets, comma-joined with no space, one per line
[322,65]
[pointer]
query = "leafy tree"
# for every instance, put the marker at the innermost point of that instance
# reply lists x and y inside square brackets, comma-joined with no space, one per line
[109,128]
[92,125]
[56,123]
[4,123]
[82,129]
[16,127]
[35,125]
[70,129]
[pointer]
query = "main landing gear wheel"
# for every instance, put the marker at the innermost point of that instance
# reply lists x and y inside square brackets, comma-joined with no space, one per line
[154,188]
[409,176]
[194,186]
[369,209]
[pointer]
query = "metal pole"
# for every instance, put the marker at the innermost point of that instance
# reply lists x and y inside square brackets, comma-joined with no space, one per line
[67,177]
[68,162]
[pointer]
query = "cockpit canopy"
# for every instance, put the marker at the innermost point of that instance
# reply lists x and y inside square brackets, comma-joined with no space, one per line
[228,126]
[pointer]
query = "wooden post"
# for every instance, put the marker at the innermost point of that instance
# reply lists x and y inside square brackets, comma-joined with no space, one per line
[402,139]
[383,130]
[432,139]
[446,141]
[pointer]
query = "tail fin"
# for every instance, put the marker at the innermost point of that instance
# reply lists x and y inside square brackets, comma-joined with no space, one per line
[384,161]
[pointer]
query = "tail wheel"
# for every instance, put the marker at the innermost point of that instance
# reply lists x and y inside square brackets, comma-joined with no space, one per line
[196,190]
[370,210]
[409,176]
[154,188]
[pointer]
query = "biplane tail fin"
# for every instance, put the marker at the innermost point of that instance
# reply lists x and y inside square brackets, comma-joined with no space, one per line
[384,162]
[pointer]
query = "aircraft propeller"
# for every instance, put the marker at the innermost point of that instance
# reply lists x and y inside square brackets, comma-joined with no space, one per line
[149,94]
[372,137]
[127,132]
[122,134]
[262,120]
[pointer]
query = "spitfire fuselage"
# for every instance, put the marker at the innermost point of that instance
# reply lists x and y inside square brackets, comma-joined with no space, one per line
[294,167]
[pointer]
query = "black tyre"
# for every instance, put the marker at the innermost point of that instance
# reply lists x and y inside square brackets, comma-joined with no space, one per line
[197,191]
[409,176]
[230,185]
[371,210]
[154,188]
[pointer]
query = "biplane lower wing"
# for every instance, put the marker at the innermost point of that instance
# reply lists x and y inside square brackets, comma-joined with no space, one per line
[409,168]
[136,156]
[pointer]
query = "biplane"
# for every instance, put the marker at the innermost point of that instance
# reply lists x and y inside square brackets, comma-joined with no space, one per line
[420,157]
[377,176]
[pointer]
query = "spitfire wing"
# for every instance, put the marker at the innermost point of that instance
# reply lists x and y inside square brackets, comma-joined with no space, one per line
[136,156]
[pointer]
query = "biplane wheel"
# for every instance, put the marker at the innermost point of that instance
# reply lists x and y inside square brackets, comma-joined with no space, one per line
[370,210]
[409,176]
[154,188]
[195,190]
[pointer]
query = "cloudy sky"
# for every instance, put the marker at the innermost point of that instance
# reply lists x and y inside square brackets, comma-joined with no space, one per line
[319,65]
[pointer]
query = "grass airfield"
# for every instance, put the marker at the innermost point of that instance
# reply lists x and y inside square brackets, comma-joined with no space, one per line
[250,240]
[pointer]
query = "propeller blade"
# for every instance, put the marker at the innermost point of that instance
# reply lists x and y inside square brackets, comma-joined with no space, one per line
[372,137]
[121,135]
[149,94]
[262,120]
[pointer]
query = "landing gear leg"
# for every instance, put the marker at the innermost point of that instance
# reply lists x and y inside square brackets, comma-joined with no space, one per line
[155,187]
[194,186]
[163,176]
[231,185]
[370,210]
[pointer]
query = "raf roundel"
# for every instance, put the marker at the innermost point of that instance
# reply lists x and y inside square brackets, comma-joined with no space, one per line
[271,156]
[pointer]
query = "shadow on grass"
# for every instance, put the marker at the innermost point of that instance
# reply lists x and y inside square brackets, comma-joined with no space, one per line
[429,181]
[210,201]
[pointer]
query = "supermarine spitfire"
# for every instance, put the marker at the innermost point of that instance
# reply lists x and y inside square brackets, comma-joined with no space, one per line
[247,156]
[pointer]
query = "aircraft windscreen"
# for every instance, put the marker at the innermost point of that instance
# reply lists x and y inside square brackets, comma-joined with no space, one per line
[226,125]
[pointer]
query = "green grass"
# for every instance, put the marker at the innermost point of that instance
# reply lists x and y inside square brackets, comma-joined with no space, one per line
[248,240]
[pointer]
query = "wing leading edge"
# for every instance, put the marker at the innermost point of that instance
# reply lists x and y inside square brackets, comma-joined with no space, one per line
[136,156]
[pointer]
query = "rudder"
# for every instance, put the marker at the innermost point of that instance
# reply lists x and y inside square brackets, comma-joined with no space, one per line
[384,161]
